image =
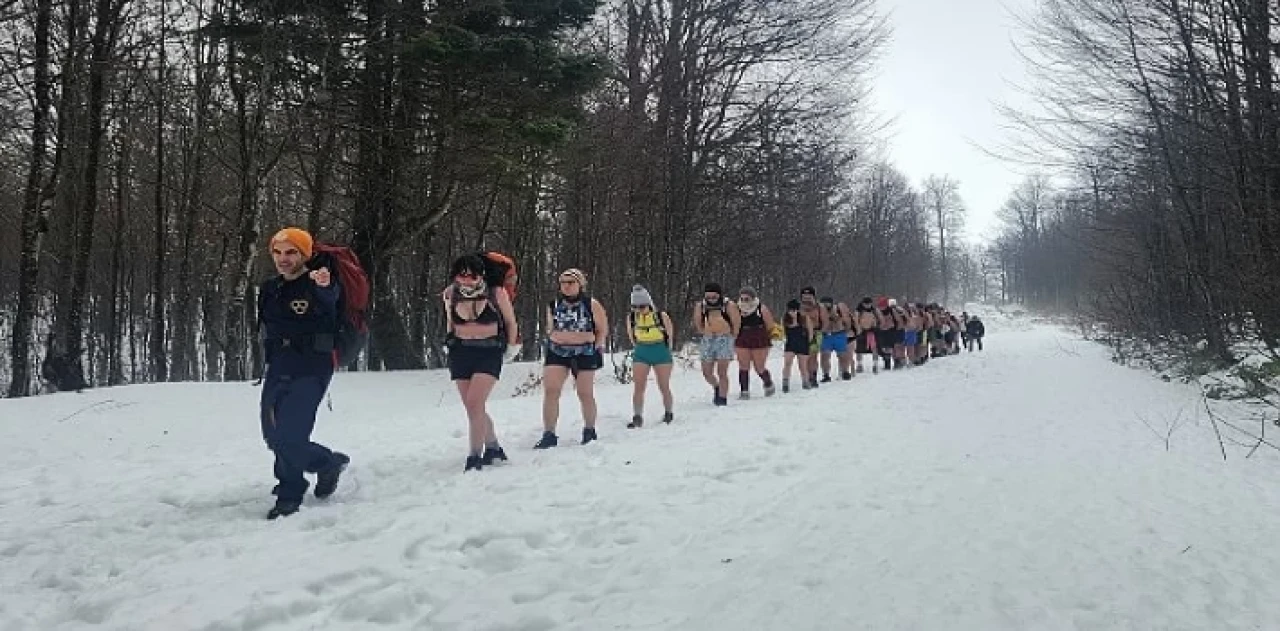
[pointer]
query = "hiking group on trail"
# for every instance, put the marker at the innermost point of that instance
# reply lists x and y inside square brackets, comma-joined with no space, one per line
[312,319]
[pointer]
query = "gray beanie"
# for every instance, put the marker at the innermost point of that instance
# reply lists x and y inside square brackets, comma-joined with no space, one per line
[640,296]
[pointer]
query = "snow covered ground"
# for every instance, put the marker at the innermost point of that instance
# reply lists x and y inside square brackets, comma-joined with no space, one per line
[1019,488]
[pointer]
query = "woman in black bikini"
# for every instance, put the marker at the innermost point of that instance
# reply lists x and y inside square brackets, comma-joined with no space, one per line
[481,325]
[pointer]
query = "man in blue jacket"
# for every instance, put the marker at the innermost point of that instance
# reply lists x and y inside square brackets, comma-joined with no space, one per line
[298,312]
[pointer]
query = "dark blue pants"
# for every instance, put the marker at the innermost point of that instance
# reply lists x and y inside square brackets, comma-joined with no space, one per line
[289,407]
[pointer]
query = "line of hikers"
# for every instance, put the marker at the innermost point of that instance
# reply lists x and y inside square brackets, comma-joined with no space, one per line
[308,329]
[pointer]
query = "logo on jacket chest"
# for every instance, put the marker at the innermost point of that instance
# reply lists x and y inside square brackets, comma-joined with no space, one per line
[299,306]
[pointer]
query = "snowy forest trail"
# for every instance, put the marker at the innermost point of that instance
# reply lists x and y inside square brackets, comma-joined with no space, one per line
[1023,487]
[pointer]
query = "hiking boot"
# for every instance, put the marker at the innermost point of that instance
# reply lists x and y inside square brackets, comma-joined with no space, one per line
[667,417]
[846,376]
[637,422]
[770,390]
[327,481]
[492,455]
[284,508]
[744,396]
[721,401]
[786,387]
[548,441]
[860,368]
[588,434]
[826,378]
[474,462]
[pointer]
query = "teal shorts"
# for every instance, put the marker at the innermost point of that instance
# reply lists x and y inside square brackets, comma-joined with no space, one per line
[652,354]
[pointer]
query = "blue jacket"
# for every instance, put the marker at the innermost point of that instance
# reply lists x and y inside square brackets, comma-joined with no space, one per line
[299,320]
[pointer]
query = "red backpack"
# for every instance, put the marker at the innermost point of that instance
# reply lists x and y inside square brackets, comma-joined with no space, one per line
[353,299]
[500,271]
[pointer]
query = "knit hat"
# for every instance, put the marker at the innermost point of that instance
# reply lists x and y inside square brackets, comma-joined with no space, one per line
[577,274]
[748,291]
[640,296]
[793,304]
[298,238]
[713,288]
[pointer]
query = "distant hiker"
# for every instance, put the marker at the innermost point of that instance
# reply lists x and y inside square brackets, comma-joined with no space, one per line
[921,351]
[718,321]
[798,330]
[835,338]
[911,334]
[298,313]
[810,310]
[652,338]
[889,335]
[752,343]
[866,321]
[953,340]
[577,325]
[481,326]
[976,331]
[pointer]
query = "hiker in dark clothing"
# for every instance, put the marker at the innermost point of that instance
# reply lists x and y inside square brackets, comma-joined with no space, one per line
[974,330]
[298,313]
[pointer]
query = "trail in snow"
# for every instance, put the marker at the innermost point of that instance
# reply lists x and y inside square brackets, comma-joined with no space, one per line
[1016,488]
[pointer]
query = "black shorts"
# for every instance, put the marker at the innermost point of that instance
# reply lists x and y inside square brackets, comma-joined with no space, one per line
[864,342]
[797,345]
[467,361]
[576,363]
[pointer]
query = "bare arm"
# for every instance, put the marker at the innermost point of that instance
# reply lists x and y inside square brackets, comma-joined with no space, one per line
[508,314]
[631,334]
[448,312]
[671,330]
[735,318]
[768,318]
[602,322]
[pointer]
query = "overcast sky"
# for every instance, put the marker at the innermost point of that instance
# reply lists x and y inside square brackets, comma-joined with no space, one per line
[947,66]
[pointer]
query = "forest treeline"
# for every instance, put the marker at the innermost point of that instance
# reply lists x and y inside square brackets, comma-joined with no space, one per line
[150,147]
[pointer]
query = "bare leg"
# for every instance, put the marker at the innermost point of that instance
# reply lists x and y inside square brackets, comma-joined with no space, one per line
[475,395]
[744,369]
[664,385]
[553,378]
[640,373]
[759,362]
[722,367]
[585,384]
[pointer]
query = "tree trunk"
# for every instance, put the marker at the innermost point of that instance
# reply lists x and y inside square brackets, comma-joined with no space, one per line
[34,217]
[186,365]
[158,354]
[64,366]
